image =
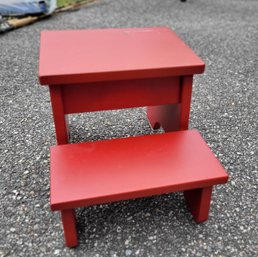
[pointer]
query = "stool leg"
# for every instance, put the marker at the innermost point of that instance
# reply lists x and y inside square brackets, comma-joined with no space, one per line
[166,116]
[60,119]
[69,225]
[198,201]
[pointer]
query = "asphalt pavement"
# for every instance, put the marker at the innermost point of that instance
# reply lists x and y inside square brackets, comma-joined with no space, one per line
[224,109]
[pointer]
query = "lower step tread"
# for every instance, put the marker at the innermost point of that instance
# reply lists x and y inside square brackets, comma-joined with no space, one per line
[111,170]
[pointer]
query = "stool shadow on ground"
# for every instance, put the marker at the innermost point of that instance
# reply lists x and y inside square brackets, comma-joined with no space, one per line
[126,221]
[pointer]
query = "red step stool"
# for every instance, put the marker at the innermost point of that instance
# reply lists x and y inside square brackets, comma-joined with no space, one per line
[99,172]
[107,69]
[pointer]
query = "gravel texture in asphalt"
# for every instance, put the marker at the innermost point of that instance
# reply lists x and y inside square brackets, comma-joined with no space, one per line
[224,109]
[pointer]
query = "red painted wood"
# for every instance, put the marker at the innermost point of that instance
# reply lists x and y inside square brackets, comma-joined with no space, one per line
[173,117]
[165,116]
[120,94]
[114,54]
[111,170]
[186,94]
[61,124]
[69,225]
[198,201]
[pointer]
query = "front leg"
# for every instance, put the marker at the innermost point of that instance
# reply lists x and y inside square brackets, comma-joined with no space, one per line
[69,225]
[60,119]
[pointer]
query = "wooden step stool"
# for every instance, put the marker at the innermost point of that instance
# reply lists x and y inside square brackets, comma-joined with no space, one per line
[108,69]
[99,172]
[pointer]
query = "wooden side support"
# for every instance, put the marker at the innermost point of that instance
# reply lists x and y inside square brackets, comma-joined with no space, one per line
[198,201]
[60,119]
[173,117]
[166,116]
[69,225]
[185,101]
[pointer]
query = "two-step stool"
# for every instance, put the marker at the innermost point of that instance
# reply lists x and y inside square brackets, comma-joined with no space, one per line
[106,69]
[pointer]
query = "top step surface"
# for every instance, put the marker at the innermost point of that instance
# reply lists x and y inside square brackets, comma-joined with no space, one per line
[80,56]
